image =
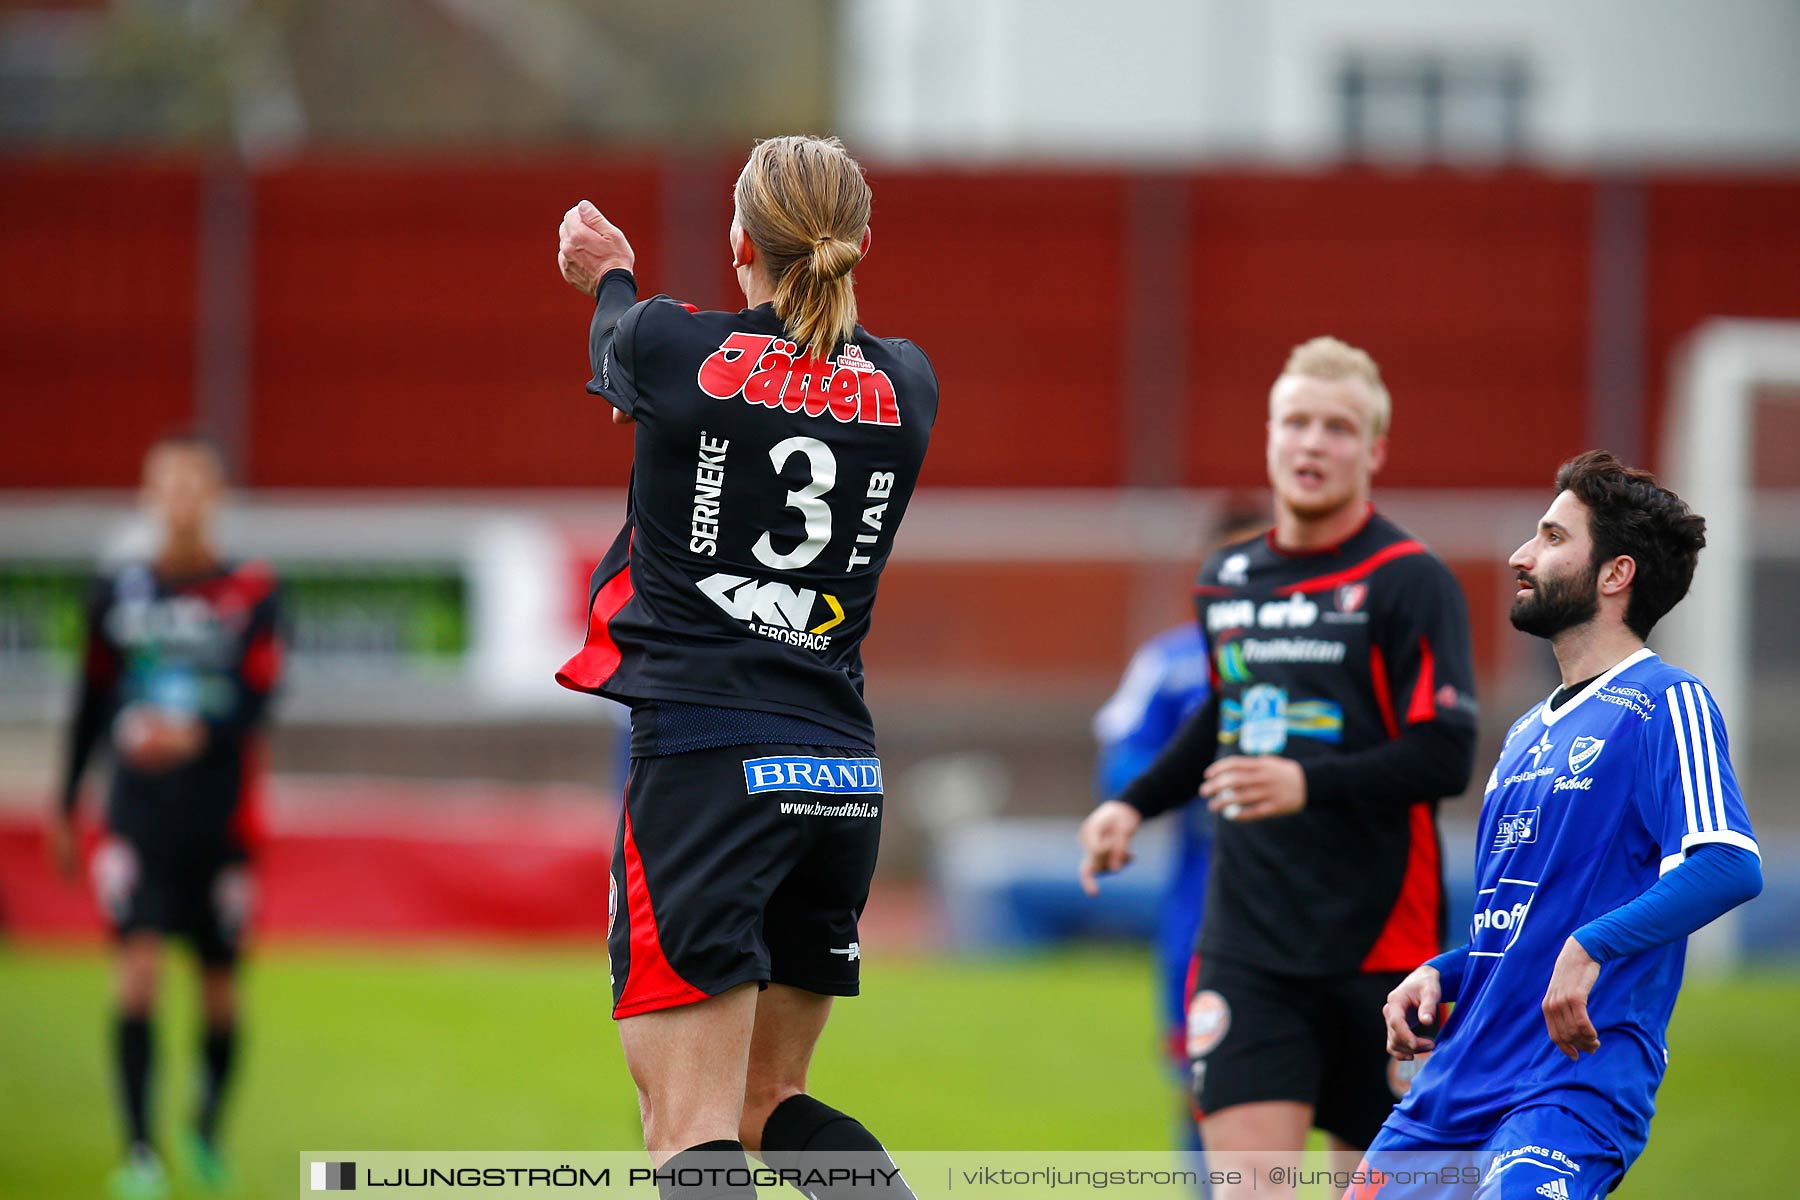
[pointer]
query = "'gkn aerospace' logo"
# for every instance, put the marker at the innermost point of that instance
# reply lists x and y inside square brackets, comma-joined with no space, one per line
[776,611]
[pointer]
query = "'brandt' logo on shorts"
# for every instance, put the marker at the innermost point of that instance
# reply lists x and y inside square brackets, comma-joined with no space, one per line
[793,773]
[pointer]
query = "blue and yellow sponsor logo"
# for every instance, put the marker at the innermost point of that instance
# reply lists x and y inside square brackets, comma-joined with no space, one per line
[1320,720]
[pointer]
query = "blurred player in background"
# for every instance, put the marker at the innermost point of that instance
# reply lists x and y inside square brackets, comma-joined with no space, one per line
[1342,712]
[1166,682]
[182,655]
[1612,829]
[776,452]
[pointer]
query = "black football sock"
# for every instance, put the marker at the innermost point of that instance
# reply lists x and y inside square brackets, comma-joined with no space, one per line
[822,1143]
[131,1045]
[217,1048]
[710,1171]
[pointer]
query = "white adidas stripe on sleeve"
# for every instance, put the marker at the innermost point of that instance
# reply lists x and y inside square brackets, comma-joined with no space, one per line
[1681,751]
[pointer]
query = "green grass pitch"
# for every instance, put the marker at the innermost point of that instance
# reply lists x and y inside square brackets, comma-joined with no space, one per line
[415,1049]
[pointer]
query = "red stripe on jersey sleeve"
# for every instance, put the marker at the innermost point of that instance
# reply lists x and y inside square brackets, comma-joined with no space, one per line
[1424,697]
[1367,566]
[651,981]
[262,662]
[1411,934]
[100,664]
[599,657]
[1384,699]
[249,820]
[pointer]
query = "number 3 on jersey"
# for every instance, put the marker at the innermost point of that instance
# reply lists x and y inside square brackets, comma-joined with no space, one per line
[815,512]
[813,509]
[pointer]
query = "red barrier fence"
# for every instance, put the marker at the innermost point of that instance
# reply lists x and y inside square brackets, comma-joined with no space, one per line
[399,860]
[376,859]
[407,327]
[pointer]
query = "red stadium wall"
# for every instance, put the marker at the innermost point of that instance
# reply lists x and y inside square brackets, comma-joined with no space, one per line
[97,316]
[411,329]
[407,328]
[1471,291]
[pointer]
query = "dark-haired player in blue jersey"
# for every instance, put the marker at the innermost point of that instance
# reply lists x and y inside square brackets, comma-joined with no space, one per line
[775,452]
[182,654]
[1612,829]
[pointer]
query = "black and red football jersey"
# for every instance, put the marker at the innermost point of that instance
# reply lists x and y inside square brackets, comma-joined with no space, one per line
[766,490]
[1354,661]
[204,647]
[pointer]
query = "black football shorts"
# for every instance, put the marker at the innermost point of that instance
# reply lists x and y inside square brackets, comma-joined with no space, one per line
[738,865]
[1254,1035]
[202,897]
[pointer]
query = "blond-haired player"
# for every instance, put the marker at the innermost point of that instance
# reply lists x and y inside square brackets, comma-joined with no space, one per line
[776,451]
[1342,712]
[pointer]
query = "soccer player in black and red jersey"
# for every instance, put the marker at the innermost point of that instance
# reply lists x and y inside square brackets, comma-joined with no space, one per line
[776,451]
[1342,711]
[182,655]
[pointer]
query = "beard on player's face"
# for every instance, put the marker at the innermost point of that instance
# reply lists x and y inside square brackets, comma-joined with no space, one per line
[1556,602]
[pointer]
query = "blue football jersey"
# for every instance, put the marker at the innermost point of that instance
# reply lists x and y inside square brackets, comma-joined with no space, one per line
[1169,678]
[1588,805]
[1166,682]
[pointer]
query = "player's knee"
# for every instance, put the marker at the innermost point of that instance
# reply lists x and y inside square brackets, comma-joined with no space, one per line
[750,1129]
[645,1112]
[137,986]
[658,1133]
[762,1097]
[218,994]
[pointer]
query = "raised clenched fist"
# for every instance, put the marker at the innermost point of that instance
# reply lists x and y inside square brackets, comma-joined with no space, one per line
[588,246]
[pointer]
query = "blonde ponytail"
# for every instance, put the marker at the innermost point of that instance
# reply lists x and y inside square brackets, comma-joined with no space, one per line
[804,203]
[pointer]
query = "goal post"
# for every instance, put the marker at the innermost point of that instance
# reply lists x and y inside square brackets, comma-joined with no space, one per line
[1708,457]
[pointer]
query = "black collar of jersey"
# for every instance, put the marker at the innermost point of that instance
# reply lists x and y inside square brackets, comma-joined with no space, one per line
[1568,692]
[1334,547]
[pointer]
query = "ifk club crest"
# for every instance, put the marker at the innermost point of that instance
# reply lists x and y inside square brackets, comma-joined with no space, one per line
[1583,753]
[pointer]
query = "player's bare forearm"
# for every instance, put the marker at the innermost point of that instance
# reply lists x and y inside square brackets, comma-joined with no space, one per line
[1565,1001]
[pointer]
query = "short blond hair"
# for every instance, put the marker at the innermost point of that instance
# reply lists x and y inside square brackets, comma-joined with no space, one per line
[1330,358]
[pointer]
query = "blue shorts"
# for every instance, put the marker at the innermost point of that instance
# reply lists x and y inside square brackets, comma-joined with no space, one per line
[1536,1153]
